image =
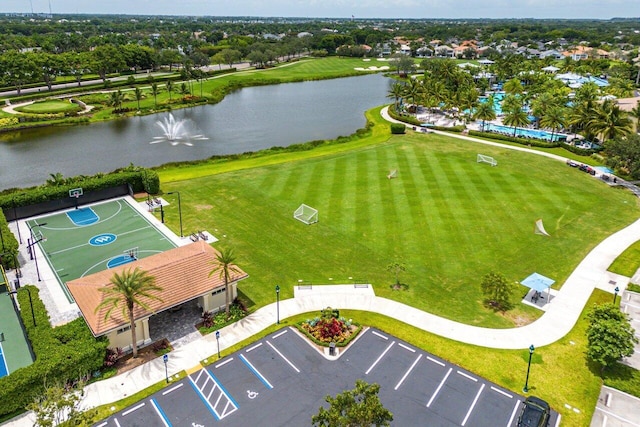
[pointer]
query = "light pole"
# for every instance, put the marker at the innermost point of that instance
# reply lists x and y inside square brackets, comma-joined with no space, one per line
[32,240]
[33,316]
[218,340]
[35,258]
[526,382]
[179,210]
[277,305]
[615,294]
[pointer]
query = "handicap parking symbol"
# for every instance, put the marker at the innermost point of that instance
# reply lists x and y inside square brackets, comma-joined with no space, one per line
[252,394]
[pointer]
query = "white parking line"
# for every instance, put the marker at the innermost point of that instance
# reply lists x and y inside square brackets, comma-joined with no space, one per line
[467,376]
[380,335]
[102,425]
[135,408]
[284,331]
[407,348]
[473,405]
[198,377]
[379,357]
[285,359]
[435,393]
[223,363]
[504,393]
[435,361]
[408,372]
[172,389]
[253,348]
[115,420]
[513,413]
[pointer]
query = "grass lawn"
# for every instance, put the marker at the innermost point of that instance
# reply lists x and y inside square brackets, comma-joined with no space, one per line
[449,219]
[628,262]
[49,107]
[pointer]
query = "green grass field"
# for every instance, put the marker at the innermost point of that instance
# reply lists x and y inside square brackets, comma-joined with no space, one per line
[49,106]
[70,252]
[449,219]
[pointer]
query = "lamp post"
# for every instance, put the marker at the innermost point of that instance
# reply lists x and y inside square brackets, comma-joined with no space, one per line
[277,305]
[35,258]
[33,316]
[526,382]
[179,210]
[218,341]
[32,241]
[615,294]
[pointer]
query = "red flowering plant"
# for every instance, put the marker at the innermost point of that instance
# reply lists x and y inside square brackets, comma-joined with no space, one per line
[329,327]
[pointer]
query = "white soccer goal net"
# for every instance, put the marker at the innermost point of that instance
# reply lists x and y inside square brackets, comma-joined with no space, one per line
[487,159]
[539,228]
[306,214]
[392,174]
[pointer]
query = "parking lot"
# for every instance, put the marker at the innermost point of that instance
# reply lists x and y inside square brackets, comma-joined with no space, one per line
[281,380]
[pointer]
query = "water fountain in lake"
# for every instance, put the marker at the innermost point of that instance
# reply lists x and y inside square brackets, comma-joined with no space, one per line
[177,132]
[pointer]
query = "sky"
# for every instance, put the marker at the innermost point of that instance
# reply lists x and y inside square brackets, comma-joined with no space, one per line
[560,9]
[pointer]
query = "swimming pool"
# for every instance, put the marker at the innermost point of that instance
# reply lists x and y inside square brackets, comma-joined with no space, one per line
[527,133]
[603,169]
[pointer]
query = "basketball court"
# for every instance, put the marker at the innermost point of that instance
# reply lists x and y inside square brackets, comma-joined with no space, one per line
[14,350]
[84,240]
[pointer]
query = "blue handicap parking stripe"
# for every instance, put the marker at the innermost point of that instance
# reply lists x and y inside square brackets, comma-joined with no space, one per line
[204,400]
[224,390]
[161,412]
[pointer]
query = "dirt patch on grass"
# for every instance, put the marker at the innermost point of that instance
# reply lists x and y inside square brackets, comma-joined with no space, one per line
[203,207]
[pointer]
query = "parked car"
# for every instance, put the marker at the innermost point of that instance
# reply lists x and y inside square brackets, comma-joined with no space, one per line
[572,163]
[535,412]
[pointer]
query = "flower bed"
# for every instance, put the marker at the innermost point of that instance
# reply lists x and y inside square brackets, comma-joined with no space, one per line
[213,321]
[329,328]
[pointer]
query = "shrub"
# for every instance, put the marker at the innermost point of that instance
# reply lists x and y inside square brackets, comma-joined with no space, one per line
[111,356]
[63,354]
[397,128]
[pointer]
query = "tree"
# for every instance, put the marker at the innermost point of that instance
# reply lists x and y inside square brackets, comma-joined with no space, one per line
[624,155]
[396,91]
[127,290]
[58,405]
[610,121]
[169,88]
[402,63]
[224,267]
[516,117]
[497,291]
[359,407]
[138,93]
[396,268]
[610,336]
[554,118]
[154,92]
[485,111]
[230,56]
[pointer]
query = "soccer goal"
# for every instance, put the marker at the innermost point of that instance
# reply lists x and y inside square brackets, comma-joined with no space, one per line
[539,228]
[306,214]
[393,174]
[487,159]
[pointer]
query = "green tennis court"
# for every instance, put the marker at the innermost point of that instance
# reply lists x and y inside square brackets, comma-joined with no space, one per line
[14,350]
[79,242]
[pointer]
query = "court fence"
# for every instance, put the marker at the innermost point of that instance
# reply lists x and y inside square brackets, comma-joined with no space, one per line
[21,212]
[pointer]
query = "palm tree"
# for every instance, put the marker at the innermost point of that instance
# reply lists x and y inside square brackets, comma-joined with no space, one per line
[554,118]
[154,91]
[128,290]
[396,91]
[516,117]
[635,113]
[485,111]
[138,94]
[609,121]
[513,87]
[224,265]
[115,99]
[169,88]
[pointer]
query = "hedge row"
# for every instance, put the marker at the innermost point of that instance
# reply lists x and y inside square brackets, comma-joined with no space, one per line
[9,244]
[522,141]
[63,354]
[140,179]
